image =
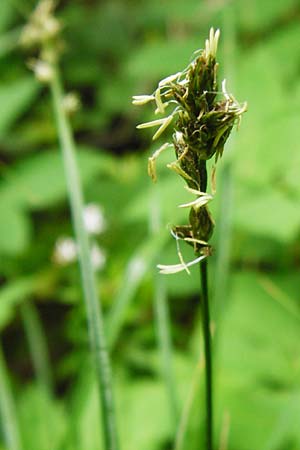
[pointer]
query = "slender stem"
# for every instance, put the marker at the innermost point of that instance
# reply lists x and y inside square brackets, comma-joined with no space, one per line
[9,422]
[37,345]
[162,322]
[207,356]
[93,307]
[188,405]
[206,331]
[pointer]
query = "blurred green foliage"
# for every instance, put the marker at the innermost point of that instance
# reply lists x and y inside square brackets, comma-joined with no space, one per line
[115,49]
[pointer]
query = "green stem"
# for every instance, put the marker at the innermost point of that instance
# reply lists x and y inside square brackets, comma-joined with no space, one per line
[207,356]
[93,307]
[9,423]
[162,322]
[206,330]
[37,344]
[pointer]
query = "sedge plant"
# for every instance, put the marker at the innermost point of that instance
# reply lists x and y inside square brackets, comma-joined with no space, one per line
[42,35]
[202,118]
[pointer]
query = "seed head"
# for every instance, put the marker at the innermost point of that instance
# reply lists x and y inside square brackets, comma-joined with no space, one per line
[203,118]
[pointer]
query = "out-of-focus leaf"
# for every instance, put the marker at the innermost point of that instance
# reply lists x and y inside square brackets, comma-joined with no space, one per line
[256,15]
[39,181]
[15,97]
[6,14]
[259,359]
[158,59]
[267,212]
[15,228]
[12,295]
[43,420]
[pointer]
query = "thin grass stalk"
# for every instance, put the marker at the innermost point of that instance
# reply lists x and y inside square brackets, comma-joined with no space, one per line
[137,267]
[188,405]
[206,331]
[163,327]
[9,421]
[207,356]
[98,344]
[37,345]
[163,322]
[203,125]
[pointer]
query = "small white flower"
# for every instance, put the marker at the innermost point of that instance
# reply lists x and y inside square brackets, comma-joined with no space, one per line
[71,103]
[136,268]
[43,70]
[65,251]
[94,219]
[98,257]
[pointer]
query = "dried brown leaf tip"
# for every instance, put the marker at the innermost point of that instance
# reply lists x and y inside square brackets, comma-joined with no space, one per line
[202,117]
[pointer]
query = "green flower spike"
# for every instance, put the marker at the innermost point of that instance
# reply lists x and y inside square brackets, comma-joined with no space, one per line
[202,120]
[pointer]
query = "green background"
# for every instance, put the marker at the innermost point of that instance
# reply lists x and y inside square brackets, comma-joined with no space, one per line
[115,49]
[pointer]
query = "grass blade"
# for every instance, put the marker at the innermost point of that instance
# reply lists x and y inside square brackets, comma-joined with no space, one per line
[37,344]
[7,409]
[94,313]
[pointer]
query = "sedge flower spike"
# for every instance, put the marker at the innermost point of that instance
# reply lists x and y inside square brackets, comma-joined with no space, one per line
[202,118]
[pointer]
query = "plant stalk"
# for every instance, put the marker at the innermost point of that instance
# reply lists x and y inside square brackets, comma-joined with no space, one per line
[206,331]
[207,356]
[97,338]
[37,345]
[162,322]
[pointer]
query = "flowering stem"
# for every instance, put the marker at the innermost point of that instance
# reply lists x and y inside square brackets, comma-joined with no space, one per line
[94,314]
[206,331]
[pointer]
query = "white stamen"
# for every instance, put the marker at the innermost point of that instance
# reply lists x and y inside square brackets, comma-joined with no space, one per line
[200,201]
[169,79]
[165,124]
[159,103]
[142,99]
[168,270]
[152,123]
